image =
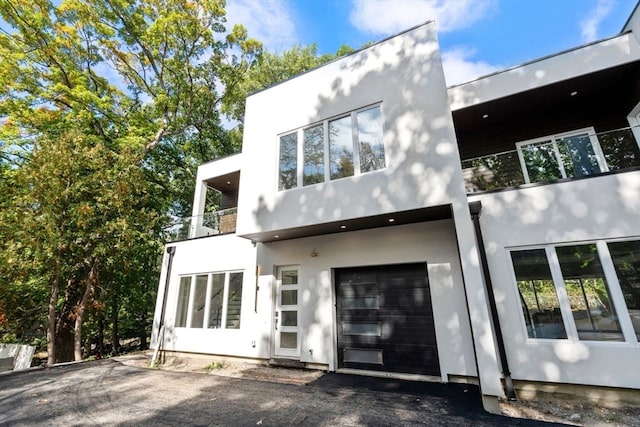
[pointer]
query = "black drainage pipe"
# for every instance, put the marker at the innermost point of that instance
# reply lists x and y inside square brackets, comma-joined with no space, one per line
[476,208]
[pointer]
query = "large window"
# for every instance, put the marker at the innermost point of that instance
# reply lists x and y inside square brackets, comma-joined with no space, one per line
[572,154]
[216,297]
[337,148]
[588,292]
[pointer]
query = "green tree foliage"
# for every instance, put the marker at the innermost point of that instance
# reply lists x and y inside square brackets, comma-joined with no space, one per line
[272,68]
[106,109]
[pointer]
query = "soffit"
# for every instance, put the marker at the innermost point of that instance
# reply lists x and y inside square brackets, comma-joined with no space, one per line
[376,221]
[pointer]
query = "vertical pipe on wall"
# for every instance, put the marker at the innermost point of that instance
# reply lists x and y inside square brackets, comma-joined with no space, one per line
[476,208]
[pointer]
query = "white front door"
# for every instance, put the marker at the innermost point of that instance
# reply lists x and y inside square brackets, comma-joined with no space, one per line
[287,336]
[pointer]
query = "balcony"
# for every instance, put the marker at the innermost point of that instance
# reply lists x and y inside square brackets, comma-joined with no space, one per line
[564,156]
[210,224]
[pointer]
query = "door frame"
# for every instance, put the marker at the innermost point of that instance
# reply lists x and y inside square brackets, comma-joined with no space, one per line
[276,317]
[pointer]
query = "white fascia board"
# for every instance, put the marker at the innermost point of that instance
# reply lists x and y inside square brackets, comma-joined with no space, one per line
[587,59]
[219,167]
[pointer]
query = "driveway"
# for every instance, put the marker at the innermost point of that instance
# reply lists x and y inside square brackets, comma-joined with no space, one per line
[107,392]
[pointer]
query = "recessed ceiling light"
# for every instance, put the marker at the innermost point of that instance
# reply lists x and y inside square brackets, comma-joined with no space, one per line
[391,219]
[228,182]
[276,236]
[574,93]
[484,116]
[343,226]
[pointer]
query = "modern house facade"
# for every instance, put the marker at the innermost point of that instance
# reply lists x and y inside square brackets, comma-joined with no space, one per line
[378,222]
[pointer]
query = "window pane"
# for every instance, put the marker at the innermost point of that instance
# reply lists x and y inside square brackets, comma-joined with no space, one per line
[588,293]
[341,148]
[538,294]
[370,141]
[288,340]
[362,329]
[215,301]
[578,156]
[289,297]
[183,302]
[289,318]
[541,161]
[626,259]
[199,298]
[313,147]
[360,303]
[234,301]
[288,177]
[290,277]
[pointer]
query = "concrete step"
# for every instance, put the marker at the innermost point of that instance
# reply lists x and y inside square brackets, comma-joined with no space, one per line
[287,363]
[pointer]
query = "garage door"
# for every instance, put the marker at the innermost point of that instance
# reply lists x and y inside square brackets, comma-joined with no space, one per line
[385,319]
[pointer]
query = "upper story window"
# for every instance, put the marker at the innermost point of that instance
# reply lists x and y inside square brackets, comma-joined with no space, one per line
[571,154]
[338,148]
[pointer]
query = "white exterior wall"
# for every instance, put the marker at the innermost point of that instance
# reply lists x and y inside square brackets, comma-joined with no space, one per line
[606,207]
[405,74]
[430,242]
[208,255]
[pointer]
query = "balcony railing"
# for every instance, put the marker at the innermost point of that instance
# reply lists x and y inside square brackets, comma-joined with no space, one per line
[552,159]
[209,224]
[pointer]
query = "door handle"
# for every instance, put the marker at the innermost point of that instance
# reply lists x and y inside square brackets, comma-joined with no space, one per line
[276,323]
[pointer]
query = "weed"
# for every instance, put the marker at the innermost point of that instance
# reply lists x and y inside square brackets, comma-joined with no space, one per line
[214,366]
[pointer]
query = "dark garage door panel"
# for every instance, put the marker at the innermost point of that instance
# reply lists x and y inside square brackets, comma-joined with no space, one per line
[398,323]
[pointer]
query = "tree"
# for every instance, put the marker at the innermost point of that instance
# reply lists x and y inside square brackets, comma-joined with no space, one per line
[106,108]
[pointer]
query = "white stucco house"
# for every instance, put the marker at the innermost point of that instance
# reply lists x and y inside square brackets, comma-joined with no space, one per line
[378,222]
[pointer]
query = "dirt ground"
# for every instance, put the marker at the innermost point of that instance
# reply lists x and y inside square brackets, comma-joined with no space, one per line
[556,408]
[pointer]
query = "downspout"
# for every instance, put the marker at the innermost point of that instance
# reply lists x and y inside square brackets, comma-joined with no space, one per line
[171,250]
[476,208]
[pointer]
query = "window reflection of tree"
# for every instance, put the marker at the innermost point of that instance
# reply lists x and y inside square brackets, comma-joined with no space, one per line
[313,152]
[288,161]
[341,148]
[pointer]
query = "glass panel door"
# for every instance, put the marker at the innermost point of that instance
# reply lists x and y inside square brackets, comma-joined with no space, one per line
[286,316]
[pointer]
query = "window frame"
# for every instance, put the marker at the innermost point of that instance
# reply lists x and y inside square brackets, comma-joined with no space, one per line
[553,138]
[355,146]
[190,299]
[614,288]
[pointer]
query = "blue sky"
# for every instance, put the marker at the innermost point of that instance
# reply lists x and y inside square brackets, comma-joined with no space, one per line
[476,36]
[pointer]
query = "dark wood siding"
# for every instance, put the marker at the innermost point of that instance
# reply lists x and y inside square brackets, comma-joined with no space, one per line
[395,331]
[603,100]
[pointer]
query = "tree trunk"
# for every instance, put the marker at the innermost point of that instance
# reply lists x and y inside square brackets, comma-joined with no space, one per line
[100,343]
[64,339]
[115,340]
[80,310]
[51,321]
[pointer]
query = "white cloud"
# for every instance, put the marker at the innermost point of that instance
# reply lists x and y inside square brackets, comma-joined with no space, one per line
[459,67]
[269,21]
[589,25]
[385,17]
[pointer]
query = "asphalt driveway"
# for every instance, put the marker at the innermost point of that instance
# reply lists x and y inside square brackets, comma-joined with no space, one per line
[107,392]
